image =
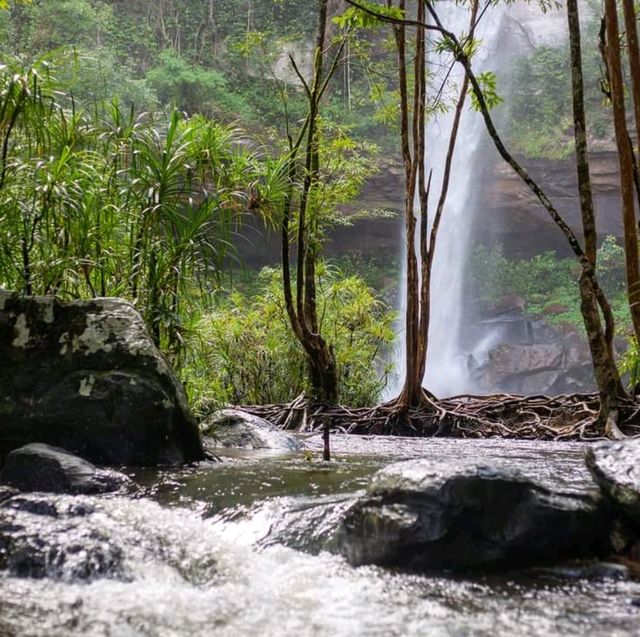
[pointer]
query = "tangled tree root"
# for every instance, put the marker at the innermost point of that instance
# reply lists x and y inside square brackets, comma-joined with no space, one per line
[567,417]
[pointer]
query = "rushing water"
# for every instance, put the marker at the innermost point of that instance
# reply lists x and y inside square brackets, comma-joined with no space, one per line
[197,556]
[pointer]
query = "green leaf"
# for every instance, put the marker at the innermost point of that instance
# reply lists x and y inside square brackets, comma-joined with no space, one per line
[357,18]
[488,82]
[4,4]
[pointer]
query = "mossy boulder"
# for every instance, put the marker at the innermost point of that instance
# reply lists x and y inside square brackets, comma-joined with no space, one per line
[86,376]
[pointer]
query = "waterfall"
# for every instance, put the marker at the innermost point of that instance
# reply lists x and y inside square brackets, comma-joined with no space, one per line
[448,363]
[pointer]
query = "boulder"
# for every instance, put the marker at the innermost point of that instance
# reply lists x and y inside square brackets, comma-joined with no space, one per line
[424,515]
[508,304]
[539,383]
[510,360]
[615,466]
[238,429]
[39,467]
[524,354]
[538,368]
[44,537]
[86,376]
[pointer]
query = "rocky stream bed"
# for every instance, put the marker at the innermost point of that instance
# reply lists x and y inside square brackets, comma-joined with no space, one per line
[241,547]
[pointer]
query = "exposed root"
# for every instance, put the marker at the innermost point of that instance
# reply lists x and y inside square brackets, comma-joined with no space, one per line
[567,417]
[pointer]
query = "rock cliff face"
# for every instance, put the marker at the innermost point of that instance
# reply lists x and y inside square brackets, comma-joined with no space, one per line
[507,213]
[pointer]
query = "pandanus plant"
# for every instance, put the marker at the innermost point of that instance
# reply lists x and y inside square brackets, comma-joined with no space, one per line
[101,201]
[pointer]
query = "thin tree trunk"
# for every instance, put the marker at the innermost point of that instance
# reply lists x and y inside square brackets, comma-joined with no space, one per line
[634,69]
[26,267]
[411,389]
[580,134]
[307,254]
[302,311]
[633,49]
[625,160]
[600,341]
[428,251]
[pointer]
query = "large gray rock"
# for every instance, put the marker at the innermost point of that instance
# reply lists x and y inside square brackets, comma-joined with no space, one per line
[39,467]
[238,429]
[509,360]
[616,468]
[424,515]
[561,364]
[539,383]
[86,376]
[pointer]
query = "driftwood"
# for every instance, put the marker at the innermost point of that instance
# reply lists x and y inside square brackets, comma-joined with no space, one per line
[567,417]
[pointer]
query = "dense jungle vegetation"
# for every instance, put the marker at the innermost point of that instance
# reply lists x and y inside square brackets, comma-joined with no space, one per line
[138,137]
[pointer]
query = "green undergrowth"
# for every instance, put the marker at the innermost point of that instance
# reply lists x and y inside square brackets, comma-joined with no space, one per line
[242,350]
[547,283]
[540,119]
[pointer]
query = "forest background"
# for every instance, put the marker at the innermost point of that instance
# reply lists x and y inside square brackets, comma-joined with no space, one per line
[167,80]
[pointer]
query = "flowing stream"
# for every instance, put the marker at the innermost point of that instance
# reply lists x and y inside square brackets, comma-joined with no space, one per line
[202,552]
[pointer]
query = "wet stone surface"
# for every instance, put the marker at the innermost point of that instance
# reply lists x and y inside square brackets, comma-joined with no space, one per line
[236,429]
[40,467]
[429,515]
[616,468]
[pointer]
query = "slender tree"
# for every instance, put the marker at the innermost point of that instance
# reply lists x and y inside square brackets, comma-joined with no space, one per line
[302,308]
[420,241]
[625,161]
[601,342]
[633,52]
[600,336]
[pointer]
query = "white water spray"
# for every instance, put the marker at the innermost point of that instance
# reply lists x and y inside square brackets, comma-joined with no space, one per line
[447,363]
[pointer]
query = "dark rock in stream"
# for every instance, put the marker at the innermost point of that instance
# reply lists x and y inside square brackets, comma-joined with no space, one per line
[39,467]
[429,515]
[44,537]
[616,468]
[234,428]
[86,376]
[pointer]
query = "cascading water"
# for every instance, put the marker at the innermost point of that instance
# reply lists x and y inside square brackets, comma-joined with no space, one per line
[238,548]
[447,364]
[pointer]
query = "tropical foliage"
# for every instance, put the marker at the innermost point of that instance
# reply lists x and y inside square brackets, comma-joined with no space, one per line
[107,202]
[244,352]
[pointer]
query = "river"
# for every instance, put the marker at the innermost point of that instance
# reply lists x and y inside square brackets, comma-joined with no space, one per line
[200,553]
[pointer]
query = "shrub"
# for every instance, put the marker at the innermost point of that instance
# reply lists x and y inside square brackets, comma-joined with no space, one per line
[547,279]
[195,89]
[611,267]
[243,352]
